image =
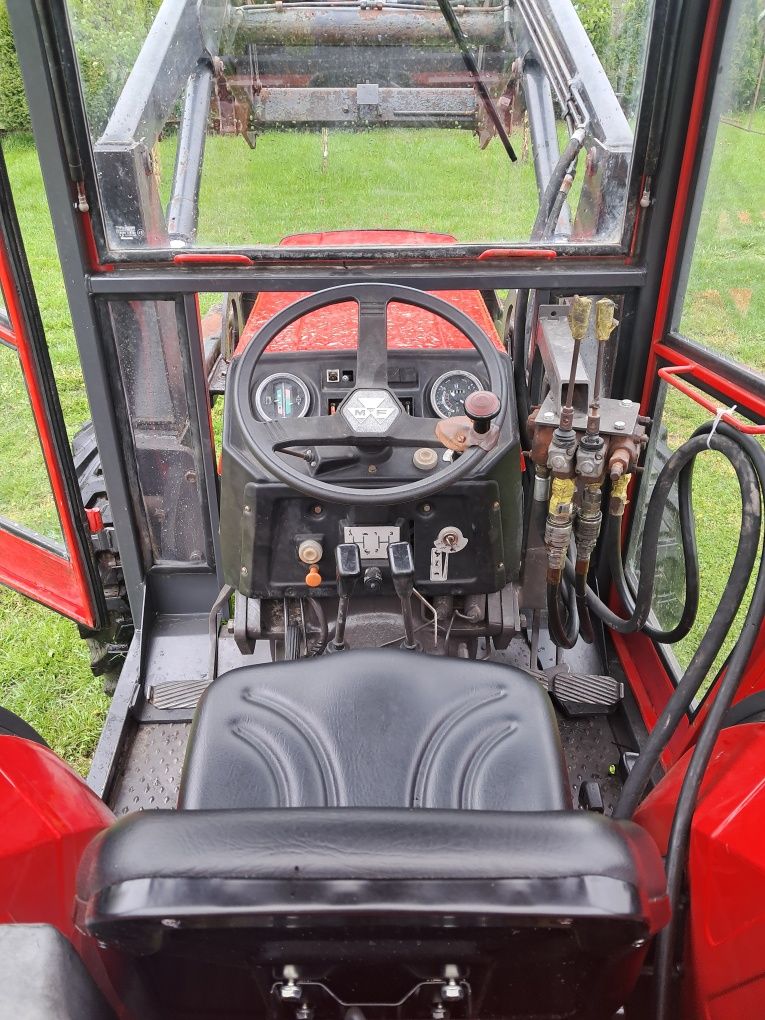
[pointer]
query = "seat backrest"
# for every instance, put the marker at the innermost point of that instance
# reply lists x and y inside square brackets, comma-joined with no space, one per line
[542,914]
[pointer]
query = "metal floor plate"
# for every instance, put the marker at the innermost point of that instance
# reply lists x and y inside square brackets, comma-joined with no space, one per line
[150,773]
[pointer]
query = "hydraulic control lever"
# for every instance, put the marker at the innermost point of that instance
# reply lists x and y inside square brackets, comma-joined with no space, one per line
[348,566]
[401,562]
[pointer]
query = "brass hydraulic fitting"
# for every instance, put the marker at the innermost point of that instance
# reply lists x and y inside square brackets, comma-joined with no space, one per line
[587,524]
[560,516]
[619,495]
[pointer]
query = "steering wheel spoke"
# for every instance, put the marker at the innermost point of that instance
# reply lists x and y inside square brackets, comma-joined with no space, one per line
[324,430]
[409,430]
[372,358]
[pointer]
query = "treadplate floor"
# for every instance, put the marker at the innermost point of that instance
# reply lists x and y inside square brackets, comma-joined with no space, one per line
[150,771]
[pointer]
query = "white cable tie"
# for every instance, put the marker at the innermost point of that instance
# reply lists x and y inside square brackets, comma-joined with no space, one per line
[721,411]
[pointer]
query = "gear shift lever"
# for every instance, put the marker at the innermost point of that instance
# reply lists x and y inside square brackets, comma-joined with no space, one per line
[348,564]
[401,561]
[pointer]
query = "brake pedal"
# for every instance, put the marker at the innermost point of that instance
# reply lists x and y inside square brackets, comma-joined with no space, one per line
[580,693]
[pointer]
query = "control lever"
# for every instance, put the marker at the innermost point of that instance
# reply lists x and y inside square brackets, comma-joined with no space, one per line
[401,561]
[348,567]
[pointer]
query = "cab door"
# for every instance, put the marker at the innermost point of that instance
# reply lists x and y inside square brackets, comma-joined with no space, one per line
[45,544]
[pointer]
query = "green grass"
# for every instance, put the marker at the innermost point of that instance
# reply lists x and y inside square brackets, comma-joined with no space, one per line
[406,179]
[725,308]
[44,666]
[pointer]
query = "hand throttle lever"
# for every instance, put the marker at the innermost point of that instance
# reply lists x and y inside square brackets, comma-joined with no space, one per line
[401,562]
[348,567]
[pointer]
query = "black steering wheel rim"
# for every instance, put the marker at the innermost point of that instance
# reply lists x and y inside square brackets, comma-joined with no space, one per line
[243,368]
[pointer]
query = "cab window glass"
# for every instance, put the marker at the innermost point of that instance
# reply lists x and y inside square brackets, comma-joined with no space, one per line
[724,303]
[219,124]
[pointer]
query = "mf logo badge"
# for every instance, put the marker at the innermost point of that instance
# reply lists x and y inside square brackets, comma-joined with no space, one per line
[370,412]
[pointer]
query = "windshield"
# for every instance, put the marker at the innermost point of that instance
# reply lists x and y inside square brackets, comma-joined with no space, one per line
[217,124]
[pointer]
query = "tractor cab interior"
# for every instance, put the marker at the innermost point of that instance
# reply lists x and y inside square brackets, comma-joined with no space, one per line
[377,529]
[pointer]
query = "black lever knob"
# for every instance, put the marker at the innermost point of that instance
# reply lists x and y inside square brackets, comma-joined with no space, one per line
[348,567]
[401,562]
[482,407]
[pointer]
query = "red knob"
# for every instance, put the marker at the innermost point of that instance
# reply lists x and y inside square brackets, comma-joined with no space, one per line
[482,407]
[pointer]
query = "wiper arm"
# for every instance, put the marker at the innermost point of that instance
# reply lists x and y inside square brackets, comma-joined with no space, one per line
[480,86]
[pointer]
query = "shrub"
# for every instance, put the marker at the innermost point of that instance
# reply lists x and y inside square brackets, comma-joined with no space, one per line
[14,115]
[596,17]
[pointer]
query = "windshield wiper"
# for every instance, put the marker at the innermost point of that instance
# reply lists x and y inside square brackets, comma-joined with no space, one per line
[480,86]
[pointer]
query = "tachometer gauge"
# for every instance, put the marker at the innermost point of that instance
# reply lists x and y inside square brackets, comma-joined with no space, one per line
[450,391]
[282,396]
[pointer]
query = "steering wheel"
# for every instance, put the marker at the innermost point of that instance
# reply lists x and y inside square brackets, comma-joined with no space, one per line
[371,414]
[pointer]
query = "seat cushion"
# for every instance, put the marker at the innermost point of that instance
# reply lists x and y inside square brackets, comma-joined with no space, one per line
[376,729]
[265,868]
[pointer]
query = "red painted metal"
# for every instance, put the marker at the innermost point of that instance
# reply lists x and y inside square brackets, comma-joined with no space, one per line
[336,328]
[517,253]
[682,365]
[650,684]
[684,190]
[724,962]
[57,581]
[48,816]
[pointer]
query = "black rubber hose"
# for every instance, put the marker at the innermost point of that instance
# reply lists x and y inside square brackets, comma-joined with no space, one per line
[674,467]
[680,834]
[690,559]
[538,233]
[554,185]
[320,643]
[564,635]
[586,631]
[707,651]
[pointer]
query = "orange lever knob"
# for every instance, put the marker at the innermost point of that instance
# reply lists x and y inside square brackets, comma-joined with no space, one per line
[313,578]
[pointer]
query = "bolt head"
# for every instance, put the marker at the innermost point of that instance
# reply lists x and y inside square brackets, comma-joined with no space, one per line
[626,403]
[548,416]
[452,992]
[290,993]
[244,571]
[620,425]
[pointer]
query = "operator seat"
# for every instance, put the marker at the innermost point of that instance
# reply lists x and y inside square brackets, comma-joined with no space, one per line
[376,729]
[373,822]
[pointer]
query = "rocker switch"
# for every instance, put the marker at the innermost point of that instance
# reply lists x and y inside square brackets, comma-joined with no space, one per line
[348,568]
[401,562]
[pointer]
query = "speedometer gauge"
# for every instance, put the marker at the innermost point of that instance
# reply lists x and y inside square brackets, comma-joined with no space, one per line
[450,391]
[282,396]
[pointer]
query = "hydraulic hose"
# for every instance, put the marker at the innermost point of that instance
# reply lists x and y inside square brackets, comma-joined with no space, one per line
[680,834]
[563,634]
[586,631]
[678,468]
[709,647]
[539,232]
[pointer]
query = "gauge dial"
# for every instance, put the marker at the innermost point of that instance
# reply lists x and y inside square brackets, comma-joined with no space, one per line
[450,391]
[282,396]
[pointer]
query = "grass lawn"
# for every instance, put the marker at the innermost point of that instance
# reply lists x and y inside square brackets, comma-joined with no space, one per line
[404,181]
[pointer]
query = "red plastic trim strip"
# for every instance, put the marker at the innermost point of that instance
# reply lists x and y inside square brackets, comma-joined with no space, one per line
[517,253]
[188,258]
[56,581]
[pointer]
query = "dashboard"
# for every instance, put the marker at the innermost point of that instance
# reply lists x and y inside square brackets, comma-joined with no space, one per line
[429,385]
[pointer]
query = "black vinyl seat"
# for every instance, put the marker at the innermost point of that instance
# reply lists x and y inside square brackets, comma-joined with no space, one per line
[376,729]
[373,822]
